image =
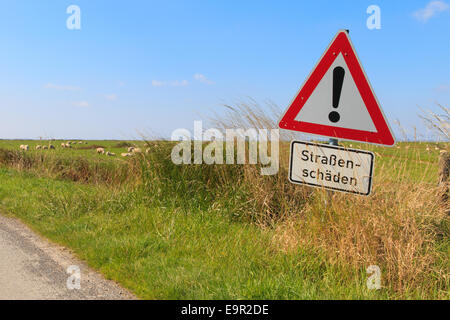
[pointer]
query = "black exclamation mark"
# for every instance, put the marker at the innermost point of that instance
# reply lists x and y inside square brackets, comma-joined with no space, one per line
[338,81]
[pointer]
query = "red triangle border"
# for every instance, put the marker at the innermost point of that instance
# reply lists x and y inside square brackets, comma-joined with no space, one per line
[340,44]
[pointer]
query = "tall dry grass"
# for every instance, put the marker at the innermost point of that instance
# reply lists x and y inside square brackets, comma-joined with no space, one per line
[73,168]
[398,228]
[402,227]
[251,114]
[438,122]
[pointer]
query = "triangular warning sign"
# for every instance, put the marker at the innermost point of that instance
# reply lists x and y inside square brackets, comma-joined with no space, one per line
[337,100]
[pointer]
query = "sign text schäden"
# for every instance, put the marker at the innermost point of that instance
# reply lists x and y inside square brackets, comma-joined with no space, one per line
[331,167]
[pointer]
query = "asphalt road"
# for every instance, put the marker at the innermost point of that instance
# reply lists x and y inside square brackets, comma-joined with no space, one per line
[33,268]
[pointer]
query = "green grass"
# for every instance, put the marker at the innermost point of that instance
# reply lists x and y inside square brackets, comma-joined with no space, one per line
[183,237]
[163,253]
[86,149]
[417,159]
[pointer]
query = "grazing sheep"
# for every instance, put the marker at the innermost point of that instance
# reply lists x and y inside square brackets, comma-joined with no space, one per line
[38,147]
[137,150]
[63,145]
[126,154]
[100,150]
[147,151]
[130,149]
[80,142]
[68,145]
[110,154]
[45,147]
[24,147]
[51,146]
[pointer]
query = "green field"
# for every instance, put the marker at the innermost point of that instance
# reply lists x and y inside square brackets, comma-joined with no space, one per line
[225,232]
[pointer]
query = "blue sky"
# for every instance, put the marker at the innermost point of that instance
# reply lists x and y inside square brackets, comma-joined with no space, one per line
[155,66]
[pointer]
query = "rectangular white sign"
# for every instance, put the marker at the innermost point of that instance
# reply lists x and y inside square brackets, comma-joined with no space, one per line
[331,167]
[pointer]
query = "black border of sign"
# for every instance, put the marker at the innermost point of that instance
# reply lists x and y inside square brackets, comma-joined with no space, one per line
[291,158]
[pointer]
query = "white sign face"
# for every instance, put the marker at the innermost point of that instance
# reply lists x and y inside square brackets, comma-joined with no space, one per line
[348,102]
[330,167]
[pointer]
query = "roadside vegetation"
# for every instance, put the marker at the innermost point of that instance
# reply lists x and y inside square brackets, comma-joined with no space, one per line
[226,232]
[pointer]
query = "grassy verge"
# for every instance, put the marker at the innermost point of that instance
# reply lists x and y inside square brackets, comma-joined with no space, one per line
[225,232]
[164,253]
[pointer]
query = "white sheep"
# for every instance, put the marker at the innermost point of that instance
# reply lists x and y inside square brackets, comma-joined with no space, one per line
[126,154]
[38,147]
[111,154]
[137,150]
[130,149]
[45,147]
[24,147]
[100,150]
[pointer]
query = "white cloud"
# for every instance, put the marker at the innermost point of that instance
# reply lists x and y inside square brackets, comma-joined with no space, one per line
[61,87]
[176,83]
[157,83]
[202,78]
[111,97]
[430,10]
[181,83]
[81,104]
